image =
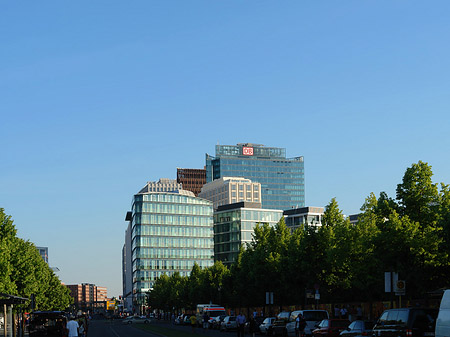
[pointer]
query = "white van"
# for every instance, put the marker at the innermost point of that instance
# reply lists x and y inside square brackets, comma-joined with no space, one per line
[443,320]
[213,310]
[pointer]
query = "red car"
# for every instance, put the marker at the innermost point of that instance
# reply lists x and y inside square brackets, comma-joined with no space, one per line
[331,327]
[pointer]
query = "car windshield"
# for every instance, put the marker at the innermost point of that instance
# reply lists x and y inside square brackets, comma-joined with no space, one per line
[339,324]
[314,315]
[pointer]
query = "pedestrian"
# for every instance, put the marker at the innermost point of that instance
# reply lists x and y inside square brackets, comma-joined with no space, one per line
[205,320]
[193,320]
[82,326]
[300,324]
[337,311]
[359,313]
[252,326]
[344,312]
[73,327]
[240,322]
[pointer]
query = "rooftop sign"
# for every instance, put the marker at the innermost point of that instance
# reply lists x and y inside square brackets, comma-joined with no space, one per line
[247,151]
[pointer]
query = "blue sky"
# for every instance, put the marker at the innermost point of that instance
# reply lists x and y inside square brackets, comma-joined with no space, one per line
[97,98]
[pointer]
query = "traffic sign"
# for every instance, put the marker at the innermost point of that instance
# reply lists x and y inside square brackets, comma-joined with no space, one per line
[400,288]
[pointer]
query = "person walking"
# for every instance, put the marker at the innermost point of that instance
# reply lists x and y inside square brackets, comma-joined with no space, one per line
[82,326]
[240,322]
[72,326]
[205,320]
[193,320]
[252,326]
[300,324]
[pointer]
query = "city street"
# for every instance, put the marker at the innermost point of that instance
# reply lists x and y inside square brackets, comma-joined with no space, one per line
[115,328]
[103,328]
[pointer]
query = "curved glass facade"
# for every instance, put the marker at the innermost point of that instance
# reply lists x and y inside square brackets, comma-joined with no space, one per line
[170,232]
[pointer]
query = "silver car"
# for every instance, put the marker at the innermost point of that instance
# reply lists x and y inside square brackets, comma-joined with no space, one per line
[228,323]
[266,326]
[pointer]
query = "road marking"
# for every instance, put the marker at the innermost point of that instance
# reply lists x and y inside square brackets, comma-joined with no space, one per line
[114,332]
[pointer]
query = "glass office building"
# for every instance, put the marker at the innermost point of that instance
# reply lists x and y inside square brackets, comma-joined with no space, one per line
[234,225]
[169,230]
[282,179]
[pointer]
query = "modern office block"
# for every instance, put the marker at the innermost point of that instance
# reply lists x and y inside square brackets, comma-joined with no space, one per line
[169,229]
[304,216]
[191,179]
[228,190]
[234,225]
[43,251]
[282,179]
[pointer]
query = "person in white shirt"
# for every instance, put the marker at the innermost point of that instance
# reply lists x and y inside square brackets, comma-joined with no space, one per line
[72,326]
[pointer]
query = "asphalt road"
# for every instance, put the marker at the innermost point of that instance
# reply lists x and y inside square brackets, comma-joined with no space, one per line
[115,328]
[100,328]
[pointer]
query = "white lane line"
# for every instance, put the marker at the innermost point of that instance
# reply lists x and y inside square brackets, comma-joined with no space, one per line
[114,331]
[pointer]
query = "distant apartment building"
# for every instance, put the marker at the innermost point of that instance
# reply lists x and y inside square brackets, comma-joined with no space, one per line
[169,229]
[282,179]
[304,216]
[228,190]
[87,296]
[43,251]
[191,179]
[234,225]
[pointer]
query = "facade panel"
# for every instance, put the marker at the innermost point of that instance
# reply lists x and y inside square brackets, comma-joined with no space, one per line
[282,179]
[234,225]
[170,231]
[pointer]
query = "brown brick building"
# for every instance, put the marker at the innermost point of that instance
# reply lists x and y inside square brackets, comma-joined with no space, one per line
[87,295]
[191,179]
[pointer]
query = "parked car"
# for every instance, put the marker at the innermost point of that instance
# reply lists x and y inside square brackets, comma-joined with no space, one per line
[266,326]
[358,329]
[443,319]
[279,325]
[47,323]
[312,318]
[416,322]
[330,327]
[229,323]
[258,321]
[136,319]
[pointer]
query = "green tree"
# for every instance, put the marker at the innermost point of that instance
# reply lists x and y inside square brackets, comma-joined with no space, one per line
[418,196]
[23,271]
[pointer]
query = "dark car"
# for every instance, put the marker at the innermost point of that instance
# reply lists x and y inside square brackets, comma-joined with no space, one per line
[258,322]
[358,329]
[47,323]
[279,325]
[331,327]
[411,322]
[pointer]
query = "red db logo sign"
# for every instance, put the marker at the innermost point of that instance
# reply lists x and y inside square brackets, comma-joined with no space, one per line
[247,151]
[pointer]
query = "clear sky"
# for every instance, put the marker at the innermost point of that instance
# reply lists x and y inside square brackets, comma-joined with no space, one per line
[99,97]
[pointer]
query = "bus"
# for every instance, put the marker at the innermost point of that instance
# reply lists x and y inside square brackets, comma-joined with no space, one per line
[213,310]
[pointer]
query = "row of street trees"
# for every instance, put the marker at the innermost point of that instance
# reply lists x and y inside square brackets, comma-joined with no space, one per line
[409,235]
[23,271]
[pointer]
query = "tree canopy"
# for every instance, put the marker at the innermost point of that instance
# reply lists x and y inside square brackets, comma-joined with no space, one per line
[23,272]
